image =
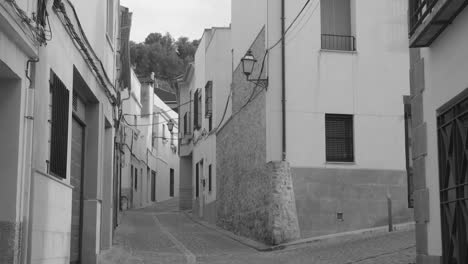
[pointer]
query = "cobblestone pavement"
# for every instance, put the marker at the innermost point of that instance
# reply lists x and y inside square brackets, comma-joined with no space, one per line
[152,235]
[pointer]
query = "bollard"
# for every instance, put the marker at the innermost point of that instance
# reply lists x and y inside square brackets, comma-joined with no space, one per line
[389,205]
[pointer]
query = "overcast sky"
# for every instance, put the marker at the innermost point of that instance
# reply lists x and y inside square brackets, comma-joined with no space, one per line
[178,17]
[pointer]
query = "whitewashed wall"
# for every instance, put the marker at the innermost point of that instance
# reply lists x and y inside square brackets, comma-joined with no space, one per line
[369,83]
[445,63]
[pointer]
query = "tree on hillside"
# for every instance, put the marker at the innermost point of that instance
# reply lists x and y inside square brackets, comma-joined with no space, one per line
[162,55]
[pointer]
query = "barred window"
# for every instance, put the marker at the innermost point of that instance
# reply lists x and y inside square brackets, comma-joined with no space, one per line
[59,115]
[197,107]
[185,124]
[339,138]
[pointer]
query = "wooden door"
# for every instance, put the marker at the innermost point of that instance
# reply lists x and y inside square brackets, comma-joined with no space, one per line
[76,181]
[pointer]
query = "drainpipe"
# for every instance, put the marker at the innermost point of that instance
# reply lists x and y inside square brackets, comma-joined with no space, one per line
[26,242]
[283,77]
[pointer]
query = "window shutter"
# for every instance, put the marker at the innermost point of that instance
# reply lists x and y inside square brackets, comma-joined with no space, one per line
[59,130]
[195,109]
[209,99]
[199,109]
[339,138]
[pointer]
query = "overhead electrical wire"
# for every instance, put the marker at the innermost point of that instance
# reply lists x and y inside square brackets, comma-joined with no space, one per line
[296,33]
[84,47]
[160,112]
[36,31]
[292,23]
[253,94]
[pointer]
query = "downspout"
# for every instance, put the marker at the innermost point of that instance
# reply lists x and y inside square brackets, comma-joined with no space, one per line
[283,78]
[26,242]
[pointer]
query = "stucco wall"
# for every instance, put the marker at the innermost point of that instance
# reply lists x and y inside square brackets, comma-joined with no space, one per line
[62,56]
[212,63]
[368,84]
[51,220]
[445,64]
[15,49]
[248,17]
[360,195]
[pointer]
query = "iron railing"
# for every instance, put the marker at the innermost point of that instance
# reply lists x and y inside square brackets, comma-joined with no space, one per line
[338,42]
[418,11]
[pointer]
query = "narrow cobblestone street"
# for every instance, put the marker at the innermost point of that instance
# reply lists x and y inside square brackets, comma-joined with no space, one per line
[162,235]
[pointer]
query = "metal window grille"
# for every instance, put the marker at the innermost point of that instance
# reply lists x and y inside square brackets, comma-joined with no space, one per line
[186,125]
[41,12]
[59,127]
[338,42]
[209,99]
[339,138]
[199,110]
[453,179]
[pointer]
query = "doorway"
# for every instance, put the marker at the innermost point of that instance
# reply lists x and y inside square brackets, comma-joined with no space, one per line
[452,123]
[153,186]
[202,187]
[171,182]
[76,180]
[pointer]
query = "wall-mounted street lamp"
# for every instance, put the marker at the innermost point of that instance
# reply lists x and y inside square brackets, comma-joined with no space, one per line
[248,65]
[170,125]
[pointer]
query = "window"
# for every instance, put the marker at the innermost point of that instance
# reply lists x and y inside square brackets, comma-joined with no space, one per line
[339,138]
[200,109]
[210,184]
[185,124]
[58,121]
[136,179]
[42,12]
[209,99]
[110,19]
[336,25]
[197,106]
[197,181]
[164,131]
[171,180]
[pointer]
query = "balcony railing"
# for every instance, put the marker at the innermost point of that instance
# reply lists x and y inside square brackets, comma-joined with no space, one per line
[419,10]
[338,42]
[429,18]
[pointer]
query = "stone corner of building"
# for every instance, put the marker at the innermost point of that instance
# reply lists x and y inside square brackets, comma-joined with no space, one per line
[282,211]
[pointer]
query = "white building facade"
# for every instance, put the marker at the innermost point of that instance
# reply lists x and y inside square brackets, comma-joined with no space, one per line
[150,164]
[58,81]
[438,38]
[338,143]
[203,92]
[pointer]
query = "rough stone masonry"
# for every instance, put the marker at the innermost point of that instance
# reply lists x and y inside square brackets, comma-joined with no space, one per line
[255,198]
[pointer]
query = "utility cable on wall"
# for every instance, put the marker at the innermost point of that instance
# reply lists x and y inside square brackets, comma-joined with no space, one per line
[254,95]
[37,30]
[160,112]
[85,49]
[292,24]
